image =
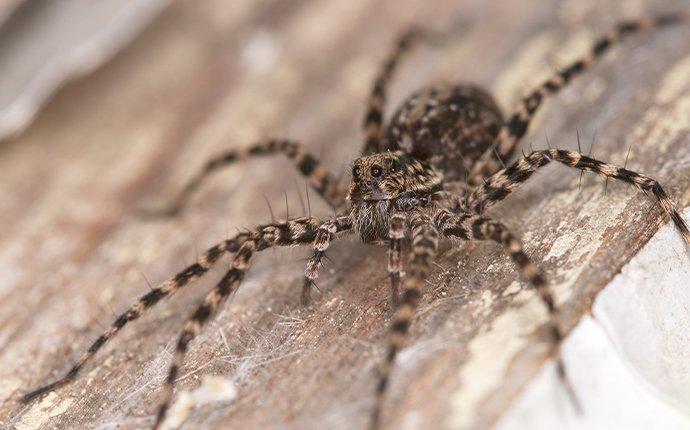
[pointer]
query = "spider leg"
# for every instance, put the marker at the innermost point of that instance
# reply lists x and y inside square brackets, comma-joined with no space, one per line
[475,227]
[395,265]
[424,246]
[454,200]
[516,126]
[373,119]
[327,232]
[301,230]
[208,307]
[501,184]
[325,184]
[288,233]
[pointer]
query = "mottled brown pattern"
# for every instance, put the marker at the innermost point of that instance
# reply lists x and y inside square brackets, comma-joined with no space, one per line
[315,366]
[449,126]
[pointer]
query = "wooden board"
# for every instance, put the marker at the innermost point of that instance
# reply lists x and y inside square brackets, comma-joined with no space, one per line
[220,74]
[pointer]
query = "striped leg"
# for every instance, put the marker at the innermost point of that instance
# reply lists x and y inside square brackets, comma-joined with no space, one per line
[208,307]
[395,266]
[518,123]
[302,230]
[373,120]
[454,200]
[319,178]
[500,185]
[424,247]
[475,227]
[326,233]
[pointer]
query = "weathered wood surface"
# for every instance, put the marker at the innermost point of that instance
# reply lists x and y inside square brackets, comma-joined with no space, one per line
[213,75]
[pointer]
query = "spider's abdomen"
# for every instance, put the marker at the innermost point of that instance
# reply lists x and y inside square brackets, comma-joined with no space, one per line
[448,126]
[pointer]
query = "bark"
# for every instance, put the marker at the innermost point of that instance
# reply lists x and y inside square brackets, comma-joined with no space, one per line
[208,76]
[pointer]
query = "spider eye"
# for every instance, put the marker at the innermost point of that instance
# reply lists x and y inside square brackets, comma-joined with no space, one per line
[376,171]
[356,172]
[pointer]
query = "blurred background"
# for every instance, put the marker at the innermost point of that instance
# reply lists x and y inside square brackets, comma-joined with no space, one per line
[47,43]
[110,106]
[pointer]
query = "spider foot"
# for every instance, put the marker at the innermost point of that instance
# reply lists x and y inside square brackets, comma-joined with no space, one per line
[305,297]
[394,299]
[567,385]
[31,396]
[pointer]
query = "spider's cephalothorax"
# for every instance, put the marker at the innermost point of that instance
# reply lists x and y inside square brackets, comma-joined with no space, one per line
[384,181]
[400,190]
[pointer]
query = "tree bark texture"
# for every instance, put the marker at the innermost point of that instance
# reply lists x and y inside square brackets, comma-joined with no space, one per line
[207,76]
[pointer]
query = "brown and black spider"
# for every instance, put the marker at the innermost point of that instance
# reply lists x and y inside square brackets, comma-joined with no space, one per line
[407,189]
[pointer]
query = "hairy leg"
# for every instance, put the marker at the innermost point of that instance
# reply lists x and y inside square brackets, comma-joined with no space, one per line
[501,184]
[474,227]
[283,234]
[518,123]
[206,309]
[301,230]
[424,247]
[395,265]
[373,119]
[455,201]
[319,178]
[325,234]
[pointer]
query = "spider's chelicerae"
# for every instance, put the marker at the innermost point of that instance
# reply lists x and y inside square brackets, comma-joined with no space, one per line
[430,173]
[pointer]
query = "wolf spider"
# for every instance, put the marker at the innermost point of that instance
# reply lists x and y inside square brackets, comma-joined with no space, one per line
[407,189]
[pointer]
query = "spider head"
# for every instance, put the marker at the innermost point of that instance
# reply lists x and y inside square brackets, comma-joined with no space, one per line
[389,175]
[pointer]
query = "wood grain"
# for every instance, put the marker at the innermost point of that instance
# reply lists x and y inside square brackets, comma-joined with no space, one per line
[128,136]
